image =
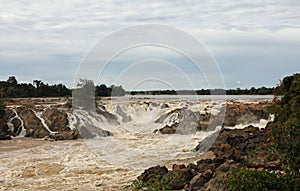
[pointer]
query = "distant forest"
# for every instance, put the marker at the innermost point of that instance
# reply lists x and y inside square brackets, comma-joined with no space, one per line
[238,91]
[12,89]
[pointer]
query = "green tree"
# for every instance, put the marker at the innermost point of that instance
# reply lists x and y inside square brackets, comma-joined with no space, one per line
[12,80]
[286,134]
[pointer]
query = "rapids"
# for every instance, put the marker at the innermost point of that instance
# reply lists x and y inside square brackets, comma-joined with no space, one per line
[109,163]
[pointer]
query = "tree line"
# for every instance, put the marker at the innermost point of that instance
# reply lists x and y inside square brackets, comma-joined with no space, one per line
[11,88]
[238,91]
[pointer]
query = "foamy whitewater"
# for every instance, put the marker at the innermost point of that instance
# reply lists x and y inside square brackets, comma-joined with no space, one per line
[110,163]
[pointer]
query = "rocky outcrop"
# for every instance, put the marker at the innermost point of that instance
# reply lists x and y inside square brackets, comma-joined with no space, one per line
[181,121]
[243,139]
[32,124]
[179,114]
[185,121]
[88,132]
[111,118]
[180,128]
[244,113]
[230,148]
[65,135]
[17,126]
[5,132]
[50,123]
[56,120]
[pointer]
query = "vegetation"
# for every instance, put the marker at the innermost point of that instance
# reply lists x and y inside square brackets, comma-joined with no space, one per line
[238,91]
[286,134]
[243,179]
[84,95]
[156,182]
[2,108]
[12,89]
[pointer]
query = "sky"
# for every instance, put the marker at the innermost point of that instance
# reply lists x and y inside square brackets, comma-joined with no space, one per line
[253,43]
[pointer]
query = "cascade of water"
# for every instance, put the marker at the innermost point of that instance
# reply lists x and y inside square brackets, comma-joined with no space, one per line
[39,116]
[22,132]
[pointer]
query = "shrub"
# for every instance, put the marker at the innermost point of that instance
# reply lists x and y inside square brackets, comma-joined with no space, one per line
[155,183]
[286,133]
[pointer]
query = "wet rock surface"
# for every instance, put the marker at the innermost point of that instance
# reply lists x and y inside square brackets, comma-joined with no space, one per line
[56,120]
[5,132]
[185,121]
[50,123]
[32,124]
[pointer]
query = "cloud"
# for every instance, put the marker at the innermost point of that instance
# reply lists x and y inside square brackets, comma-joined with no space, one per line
[38,37]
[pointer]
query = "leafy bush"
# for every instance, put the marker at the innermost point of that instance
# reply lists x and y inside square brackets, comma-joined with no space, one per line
[155,183]
[286,133]
[242,179]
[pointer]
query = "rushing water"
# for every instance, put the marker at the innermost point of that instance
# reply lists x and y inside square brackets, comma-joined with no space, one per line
[109,163]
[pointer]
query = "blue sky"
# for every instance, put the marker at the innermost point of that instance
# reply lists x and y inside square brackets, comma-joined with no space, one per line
[255,43]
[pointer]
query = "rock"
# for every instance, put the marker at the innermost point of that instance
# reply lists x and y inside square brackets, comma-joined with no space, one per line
[4,130]
[153,172]
[154,104]
[183,128]
[199,180]
[220,179]
[84,133]
[242,139]
[168,129]
[92,132]
[111,118]
[164,106]
[227,152]
[207,143]
[244,113]
[17,126]
[9,114]
[56,120]
[178,115]
[230,117]
[179,178]
[204,165]
[65,135]
[32,124]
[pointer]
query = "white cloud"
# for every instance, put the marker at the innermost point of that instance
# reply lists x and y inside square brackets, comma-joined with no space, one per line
[49,33]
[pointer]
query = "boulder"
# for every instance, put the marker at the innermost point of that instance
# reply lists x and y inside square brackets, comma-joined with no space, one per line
[168,129]
[164,106]
[179,115]
[17,125]
[198,181]
[4,130]
[32,124]
[153,172]
[65,135]
[92,132]
[180,128]
[179,178]
[242,139]
[244,114]
[111,118]
[56,120]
